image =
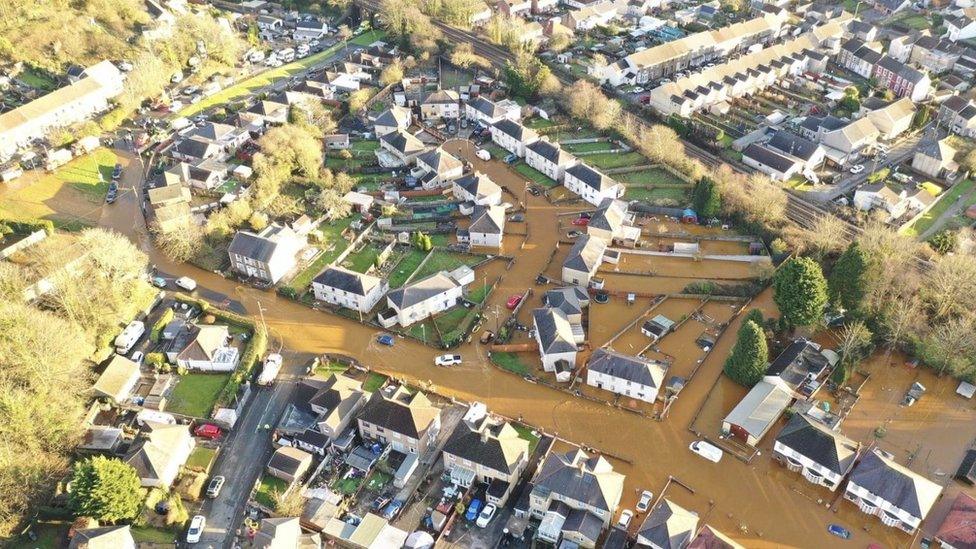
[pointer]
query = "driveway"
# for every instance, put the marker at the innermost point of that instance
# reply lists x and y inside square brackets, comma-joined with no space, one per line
[898,154]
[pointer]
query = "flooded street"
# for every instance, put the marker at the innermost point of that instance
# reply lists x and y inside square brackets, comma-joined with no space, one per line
[759,504]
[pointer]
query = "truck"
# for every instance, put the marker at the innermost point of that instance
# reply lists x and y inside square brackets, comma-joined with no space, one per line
[56,159]
[129,336]
[272,365]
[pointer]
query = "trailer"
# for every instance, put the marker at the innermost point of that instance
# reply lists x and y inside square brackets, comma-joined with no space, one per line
[129,336]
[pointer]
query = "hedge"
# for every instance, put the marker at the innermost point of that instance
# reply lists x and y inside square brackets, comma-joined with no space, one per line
[27,226]
[164,319]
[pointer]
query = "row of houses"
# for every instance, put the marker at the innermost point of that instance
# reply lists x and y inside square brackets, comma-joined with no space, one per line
[866,60]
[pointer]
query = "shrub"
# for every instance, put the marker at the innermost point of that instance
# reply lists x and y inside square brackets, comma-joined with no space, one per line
[160,324]
[155,360]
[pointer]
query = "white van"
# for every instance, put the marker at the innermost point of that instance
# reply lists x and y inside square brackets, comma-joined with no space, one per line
[302,50]
[129,336]
[287,55]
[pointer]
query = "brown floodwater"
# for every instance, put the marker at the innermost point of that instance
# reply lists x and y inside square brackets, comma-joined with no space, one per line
[759,504]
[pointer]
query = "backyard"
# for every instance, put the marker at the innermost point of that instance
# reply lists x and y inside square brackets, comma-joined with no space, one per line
[589,147]
[333,243]
[946,201]
[196,393]
[201,458]
[268,488]
[405,267]
[511,362]
[374,381]
[364,258]
[533,175]
[446,261]
[608,161]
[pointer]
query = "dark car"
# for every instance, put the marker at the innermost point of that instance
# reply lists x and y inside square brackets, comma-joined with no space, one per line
[385,339]
[534,191]
[111,196]
[117,172]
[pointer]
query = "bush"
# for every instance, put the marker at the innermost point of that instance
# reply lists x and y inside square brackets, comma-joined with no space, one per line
[155,360]
[160,324]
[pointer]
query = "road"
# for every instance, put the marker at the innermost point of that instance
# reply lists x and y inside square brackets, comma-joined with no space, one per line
[850,182]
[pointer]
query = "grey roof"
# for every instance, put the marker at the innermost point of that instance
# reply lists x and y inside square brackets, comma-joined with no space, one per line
[789,143]
[289,460]
[616,539]
[896,484]
[576,475]
[485,106]
[347,281]
[814,440]
[550,151]
[487,220]
[422,290]
[585,254]
[565,299]
[103,537]
[493,445]
[212,131]
[591,177]
[769,157]
[403,142]
[248,244]
[477,184]
[668,526]
[610,215]
[827,123]
[197,147]
[798,362]
[515,130]
[631,368]
[440,160]
[584,524]
[554,331]
[400,411]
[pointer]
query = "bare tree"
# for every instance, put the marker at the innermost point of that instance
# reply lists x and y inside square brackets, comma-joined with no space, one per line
[902,317]
[180,243]
[949,346]
[951,285]
[827,235]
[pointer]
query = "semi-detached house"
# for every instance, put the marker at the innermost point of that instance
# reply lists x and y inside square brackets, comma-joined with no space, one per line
[349,289]
[629,376]
[266,256]
[583,260]
[549,158]
[404,146]
[959,116]
[591,184]
[667,526]
[486,450]
[512,136]
[487,227]
[426,297]
[478,188]
[806,446]
[558,340]
[488,112]
[406,420]
[900,497]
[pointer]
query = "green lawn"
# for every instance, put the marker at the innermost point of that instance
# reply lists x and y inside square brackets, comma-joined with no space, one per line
[946,201]
[37,79]
[201,458]
[913,21]
[440,239]
[377,480]
[405,267]
[347,486]
[424,331]
[614,160]
[363,259]
[365,146]
[332,234]
[149,534]
[650,194]
[537,122]
[50,535]
[589,147]
[478,295]
[525,432]
[510,362]
[265,494]
[445,261]
[533,175]
[266,78]
[374,381]
[652,176]
[326,369]
[196,393]
[453,323]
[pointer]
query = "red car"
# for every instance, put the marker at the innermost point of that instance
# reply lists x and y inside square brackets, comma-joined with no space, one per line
[581,221]
[514,301]
[207,430]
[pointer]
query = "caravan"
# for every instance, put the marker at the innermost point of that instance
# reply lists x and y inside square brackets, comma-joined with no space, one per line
[129,337]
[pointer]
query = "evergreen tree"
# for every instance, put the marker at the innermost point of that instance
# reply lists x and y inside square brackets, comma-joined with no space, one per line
[706,198]
[800,291]
[848,278]
[754,315]
[107,490]
[746,364]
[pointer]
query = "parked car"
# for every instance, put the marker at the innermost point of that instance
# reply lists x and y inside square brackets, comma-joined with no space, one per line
[213,489]
[111,195]
[857,168]
[645,501]
[379,503]
[117,171]
[392,509]
[625,517]
[158,282]
[208,431]
[511,159]
[447,360]
[486,515]
[574,234]
[534,191]
[195,531]
[517,218]
[513,301]
[137,357]
[186,283]
[487,337]
[473,509]
[385,339]
[706,450]
[581,221]
[483,154]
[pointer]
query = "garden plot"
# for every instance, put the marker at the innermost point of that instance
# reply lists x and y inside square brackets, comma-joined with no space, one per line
[633,341]
[682,347]
[707,247]
[633,263]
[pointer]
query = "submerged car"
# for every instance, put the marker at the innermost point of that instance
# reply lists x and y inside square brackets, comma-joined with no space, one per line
[385,339]
[706,450]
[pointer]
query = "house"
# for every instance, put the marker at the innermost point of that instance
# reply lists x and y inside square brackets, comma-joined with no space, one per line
[859,57]
[203,347]
[799,367]
[266,256]
[289,464]
[863,30]
[478,188]
[590,16]
[612,222]
[583,260]
[269,23]
[548,158]
[668,526]
[778,166]
[489,451]
[590,184]
[372,532]
[426,297]
[557,341]
[514,8]
[958,529]
[710,538]
[404,419]
[960,27]
[117,380]
[171,217]
[571,300]
[344,288]
[225,136]
[959,116]
[630,376]
[806,446]
[899,496]
[487,226]
[580,528]
[159,452]
[402,145]
[889,7]
[200,175]
[487,112]
[282,533]
[934,54]
[793,146]
[330,405]
[934,157]
[194,149]
[439,166]
[880,195]
[264,113]
[441,104]
[307,30]
[103,537]
[893,119]
[756,413]
[903,80]
[578,481]
[76,102]
[512,136]
[847,142]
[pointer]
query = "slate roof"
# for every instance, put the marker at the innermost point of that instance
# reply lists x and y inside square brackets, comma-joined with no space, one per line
[213,131]
[586,254]
[440,160]
[400,411]
[710,538]
[668,526]
[583,524]
[496,446]
[591,177]
[797,362]
[154,453]
[347,281]
[827,123]
[938,149]
[631,368]
[422,290]
[896,484]
[814,440]
[564,299]
[442,97]
[579,477]
[789,143]
[610,215]
[477,184]
[403,142]
[516,130]
[259,247]
[197,147]
[550,151]
[289,460]
[554,331]
[769,157]
[104,537]
[338,396]
[487,220]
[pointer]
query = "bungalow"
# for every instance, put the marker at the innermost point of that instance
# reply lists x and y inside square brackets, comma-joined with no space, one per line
[880,195]
[557,338]
[591,185]
[159,452]
[899,496]
[402,145]
[117,380]
[578,481]
[934,158]
[307,30]
[756,413]
[630,376]
[893,119]
[103,537]
[548,158]
[404,419]
[265,113]
[793,146]
[426,297]
[171,217]
[478,188]
[194,149]
[441,104]
[613,223]
[266,256]
[202,175]
[583,260]
[489,451]
[289,464]
[203,347]
[487,226]
[344,288]
[487,112]
[224,135]
[778,166]
[959,116]
[346,81]
[512,136]
[808,447]
[668,526]
[439,167]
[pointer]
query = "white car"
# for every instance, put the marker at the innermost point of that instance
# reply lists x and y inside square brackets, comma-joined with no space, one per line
[706,450]
[138,357]
[625,517]
[447,360]
[483,154]
[186,283]
[486,515]
[857,168]
[645,501]
[197,525]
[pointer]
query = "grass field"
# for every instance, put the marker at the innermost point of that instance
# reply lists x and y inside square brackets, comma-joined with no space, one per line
[363,259]
[537,122]
[652,176]
[374,381]
[946,201]
[196,394]
[650,194]
[445,261]
[510,362]
[405,267]
[525,432]
[913,21]
[533,175]
[37,79]
[265,494]
[148,534]
[614,160]
[201,458]
[267,78]
[72,196]
[589,147]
